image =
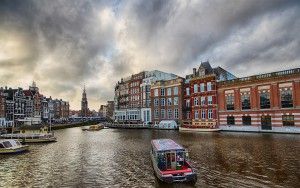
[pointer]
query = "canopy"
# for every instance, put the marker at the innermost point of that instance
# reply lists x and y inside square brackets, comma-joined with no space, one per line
[165,145]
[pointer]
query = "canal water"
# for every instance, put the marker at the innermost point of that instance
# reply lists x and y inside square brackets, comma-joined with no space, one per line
[120,158]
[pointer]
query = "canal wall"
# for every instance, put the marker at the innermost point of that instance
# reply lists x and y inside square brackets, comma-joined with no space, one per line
[290,130]
[71,125]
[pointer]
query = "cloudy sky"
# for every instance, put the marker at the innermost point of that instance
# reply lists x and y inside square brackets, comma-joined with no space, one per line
[64,44]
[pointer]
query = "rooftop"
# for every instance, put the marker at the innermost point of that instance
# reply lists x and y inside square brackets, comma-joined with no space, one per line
[165,145]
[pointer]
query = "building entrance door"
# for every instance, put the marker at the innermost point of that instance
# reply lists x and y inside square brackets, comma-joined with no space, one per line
[266,123]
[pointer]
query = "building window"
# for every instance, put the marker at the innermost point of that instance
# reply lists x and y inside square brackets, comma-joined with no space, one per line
[162,113]
[156,92]
[196,101]
[162,92]
[203,114]
[286,98]
[175,100]
[175,90]
[162,102]
[264,100]
[169,102]
[288,120]
[169,91]
[230,102]
[208,86]
[156,101]
[187,91]
[188,115]
[230,120]
[209,100]
[170,115]
[187,103]
[202,87]
[176,114]
[246,120]
[195,88]
[210,114]
[245,102]
[156,115]
[196,114]
[202,101]
[266,122]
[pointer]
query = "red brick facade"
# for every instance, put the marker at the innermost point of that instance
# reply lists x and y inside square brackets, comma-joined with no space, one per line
[282,108]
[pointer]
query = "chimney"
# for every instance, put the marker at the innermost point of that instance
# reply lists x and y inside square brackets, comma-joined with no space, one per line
[194,71]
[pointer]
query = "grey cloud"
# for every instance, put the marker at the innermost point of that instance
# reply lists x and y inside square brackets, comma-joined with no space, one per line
[67,44]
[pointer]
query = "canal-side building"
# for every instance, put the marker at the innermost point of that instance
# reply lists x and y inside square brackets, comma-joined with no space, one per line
[150,78]
[166,100]
[200,96]
[2,103]
[267,102]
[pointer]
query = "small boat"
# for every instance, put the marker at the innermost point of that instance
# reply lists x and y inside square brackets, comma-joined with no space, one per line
[170,162]
[94,127]
[196,129]
[10,146]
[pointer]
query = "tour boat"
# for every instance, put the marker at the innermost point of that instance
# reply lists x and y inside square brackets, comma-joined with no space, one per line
[31,134]
[170,162]
[31,138]
[10,146]
[94,128]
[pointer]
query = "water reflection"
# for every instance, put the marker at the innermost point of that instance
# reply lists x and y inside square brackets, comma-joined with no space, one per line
[120,158]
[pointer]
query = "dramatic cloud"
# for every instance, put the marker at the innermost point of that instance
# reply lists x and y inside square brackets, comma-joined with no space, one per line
[64,44]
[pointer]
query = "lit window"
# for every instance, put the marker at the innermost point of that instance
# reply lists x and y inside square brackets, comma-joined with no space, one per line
[156,92]
[187,91]
[187,103]
[195,88]
[169,91]
[175,90]
[202,87]
[209,100]
[175,100]
[208,86]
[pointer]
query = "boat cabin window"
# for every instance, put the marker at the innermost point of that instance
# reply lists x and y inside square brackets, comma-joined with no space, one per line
[7,144]
[1,145]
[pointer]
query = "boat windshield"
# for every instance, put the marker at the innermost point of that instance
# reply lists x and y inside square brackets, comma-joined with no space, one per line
[1,145]
[7,144]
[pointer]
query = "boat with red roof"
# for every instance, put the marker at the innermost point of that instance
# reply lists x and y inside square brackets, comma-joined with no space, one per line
[171,163]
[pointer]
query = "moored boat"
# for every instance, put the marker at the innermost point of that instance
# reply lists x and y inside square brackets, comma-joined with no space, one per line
[11,146]
[198,129]
[170,162]
[94,127]
[31,138]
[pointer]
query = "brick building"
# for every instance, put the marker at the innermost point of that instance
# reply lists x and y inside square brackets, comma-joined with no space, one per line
[266,102]
[166,100]
[200,96]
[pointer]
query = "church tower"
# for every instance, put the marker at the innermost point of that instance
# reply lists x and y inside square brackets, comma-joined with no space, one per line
[84,104]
